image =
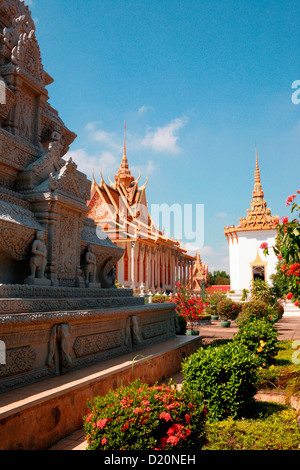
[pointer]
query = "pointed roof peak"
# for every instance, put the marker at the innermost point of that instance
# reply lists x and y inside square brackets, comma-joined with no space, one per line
[124,175]
[257,171]
[124,148]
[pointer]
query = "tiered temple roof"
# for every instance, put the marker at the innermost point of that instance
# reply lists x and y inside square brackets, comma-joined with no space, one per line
[259,217]
[121,209]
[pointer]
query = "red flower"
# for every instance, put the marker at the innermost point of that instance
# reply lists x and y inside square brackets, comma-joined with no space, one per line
[176,428]
[290,199]
[296,303]
[165,416]
[188,418]
[125,427]
[285,220]
[104,441]
[280,257]
[289,296]
[172,440]
[101,423]
[263,246]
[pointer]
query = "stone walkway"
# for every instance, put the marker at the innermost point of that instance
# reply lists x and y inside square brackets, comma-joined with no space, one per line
[288,328]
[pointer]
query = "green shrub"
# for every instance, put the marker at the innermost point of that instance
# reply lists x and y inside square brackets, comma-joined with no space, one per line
[160,299]
[253,308]
[139,417]
[261,291]
[260,337]
[227,309]
[225,376]
[182,324]
[212,302]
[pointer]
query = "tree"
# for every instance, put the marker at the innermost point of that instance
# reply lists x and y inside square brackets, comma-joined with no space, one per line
[219,278]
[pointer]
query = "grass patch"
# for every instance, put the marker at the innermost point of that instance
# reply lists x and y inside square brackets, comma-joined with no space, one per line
[269,378]
[273,427]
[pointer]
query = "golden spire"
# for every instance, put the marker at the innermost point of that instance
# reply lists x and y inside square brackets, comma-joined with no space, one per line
[124,152]
[257,172]
[259,216]
[124,176]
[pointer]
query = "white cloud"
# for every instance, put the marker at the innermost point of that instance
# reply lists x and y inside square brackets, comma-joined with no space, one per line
[164,139]
[87,163]
[144,109]
[222,214]
[107,138]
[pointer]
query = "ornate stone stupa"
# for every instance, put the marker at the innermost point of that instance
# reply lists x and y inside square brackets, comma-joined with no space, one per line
[59,307]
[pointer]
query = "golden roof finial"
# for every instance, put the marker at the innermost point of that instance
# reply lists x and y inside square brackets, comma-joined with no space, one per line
[124,176]
[124,152]
[257,172]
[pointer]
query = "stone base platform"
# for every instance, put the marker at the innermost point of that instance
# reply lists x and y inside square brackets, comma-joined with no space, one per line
[37,416]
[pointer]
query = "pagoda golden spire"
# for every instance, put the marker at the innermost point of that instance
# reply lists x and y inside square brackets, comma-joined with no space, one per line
[124,151]
[259,216]
[124,176]
[257,171]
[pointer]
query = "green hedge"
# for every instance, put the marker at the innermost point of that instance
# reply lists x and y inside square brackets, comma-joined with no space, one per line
[225,376]
[259,336]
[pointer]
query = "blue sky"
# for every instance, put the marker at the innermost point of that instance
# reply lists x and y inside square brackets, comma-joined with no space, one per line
[198,84]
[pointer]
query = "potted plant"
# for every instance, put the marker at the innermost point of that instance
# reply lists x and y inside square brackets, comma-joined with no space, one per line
[228,311]
[212,303]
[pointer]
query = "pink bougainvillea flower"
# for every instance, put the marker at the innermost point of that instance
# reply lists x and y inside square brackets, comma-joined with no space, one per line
[289,296]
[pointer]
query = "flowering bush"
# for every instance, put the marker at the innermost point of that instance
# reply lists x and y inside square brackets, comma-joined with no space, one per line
[139,417]
[260,337]
[225,376]
[253,308]
[212,302]
[228,310]
[287,250]
[188,305]
[160,299]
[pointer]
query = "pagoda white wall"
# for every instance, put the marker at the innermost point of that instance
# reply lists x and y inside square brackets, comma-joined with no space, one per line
[244,252]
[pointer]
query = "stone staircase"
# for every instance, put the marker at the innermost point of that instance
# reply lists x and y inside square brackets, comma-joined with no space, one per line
[290,310]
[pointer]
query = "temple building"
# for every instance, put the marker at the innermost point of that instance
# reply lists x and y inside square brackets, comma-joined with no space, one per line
[247,260]
[152,260]
[200,276]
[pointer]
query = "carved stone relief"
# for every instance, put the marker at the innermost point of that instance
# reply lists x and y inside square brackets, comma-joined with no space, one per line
[60,339]
[18,361]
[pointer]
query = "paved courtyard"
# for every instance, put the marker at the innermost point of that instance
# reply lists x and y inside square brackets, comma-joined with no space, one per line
[288,328]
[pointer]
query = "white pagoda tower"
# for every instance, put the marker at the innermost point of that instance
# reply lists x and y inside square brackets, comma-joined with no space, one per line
[247,260]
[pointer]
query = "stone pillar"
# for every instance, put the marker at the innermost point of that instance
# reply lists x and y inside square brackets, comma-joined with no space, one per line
[158,269]
[152,254]
[147,269]
[163,270]
[172,271]
[141,266]
[192,274]
[133,278]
